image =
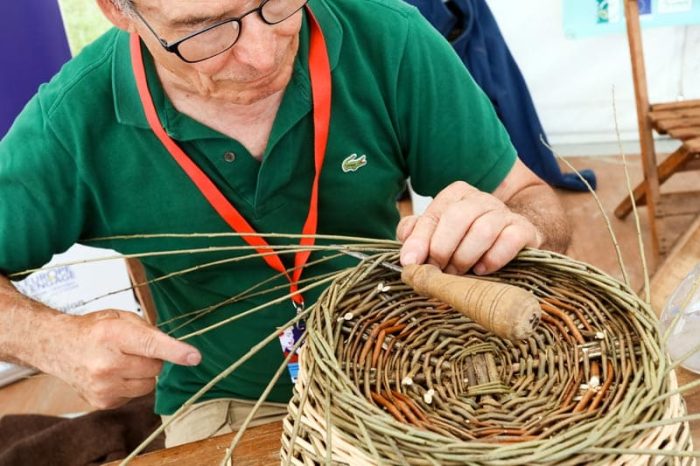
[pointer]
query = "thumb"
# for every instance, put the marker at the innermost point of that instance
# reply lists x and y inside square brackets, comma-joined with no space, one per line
[152,343]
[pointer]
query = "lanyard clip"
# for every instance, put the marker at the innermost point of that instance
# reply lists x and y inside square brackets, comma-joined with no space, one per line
[298,304]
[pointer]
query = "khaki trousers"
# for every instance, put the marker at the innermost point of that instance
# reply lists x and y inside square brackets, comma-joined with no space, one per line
[218,417]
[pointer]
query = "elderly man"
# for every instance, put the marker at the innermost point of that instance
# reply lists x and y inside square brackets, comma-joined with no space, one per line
[272,116]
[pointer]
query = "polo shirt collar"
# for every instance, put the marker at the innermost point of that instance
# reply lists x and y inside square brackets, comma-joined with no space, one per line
[127,103]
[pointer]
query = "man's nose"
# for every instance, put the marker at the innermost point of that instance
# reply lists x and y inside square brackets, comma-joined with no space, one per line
[256,45]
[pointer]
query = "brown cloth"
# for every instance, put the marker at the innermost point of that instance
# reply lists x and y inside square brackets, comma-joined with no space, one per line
[91,439]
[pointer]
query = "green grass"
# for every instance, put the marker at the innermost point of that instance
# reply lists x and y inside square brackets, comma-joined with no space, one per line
[84,22]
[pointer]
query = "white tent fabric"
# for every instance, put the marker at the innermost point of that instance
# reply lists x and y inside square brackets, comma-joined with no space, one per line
[571,80]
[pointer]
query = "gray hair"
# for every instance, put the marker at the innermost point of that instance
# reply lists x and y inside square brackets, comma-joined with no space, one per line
[124,5]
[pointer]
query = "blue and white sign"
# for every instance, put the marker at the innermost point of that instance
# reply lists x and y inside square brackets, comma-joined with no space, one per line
[583,18]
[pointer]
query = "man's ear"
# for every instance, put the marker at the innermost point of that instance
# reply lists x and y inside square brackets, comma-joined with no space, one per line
[115,15]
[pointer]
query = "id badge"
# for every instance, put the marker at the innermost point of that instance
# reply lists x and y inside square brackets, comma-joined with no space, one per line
[288,338]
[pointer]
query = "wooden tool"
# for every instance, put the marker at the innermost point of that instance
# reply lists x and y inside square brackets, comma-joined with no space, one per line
[505,310]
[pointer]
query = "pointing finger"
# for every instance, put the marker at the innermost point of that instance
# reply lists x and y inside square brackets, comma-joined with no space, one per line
[151,343]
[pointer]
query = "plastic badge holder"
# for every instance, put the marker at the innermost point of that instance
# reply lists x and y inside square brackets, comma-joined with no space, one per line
[685,334]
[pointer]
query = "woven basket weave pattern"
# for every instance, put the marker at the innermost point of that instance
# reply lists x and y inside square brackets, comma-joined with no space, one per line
[390,377]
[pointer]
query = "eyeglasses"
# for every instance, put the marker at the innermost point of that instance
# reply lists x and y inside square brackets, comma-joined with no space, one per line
[219,37]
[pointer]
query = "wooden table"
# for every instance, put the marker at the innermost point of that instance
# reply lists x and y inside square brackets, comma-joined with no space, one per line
[680,261]
[260,446]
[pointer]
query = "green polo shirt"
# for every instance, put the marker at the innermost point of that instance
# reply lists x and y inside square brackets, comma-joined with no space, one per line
[81,163]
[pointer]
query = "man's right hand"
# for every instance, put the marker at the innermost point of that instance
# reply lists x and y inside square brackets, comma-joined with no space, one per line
[112,356]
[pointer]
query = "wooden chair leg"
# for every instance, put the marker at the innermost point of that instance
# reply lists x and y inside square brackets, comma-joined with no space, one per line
[668,167]
[646,136]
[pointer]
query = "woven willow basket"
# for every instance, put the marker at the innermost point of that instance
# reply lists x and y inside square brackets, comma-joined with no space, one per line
[390,377]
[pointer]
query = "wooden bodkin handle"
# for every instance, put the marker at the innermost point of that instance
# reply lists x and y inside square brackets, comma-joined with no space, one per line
[505,310]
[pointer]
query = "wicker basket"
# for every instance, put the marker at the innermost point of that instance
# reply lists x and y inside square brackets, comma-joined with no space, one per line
[390,377]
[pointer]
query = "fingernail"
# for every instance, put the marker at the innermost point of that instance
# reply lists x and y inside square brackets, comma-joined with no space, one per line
[409,258]
[193,359]
[479,269]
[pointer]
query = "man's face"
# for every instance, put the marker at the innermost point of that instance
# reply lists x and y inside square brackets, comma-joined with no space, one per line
[258,65]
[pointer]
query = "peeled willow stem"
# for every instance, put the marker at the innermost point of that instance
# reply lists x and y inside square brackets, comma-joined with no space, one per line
[282,299]
[319,280]
[613,237]
[373,245]
[250,292]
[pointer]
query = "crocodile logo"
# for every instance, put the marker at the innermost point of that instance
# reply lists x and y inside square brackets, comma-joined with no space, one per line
[353,163]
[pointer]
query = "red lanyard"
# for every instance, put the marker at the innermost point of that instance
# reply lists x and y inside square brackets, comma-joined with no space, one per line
[320,71]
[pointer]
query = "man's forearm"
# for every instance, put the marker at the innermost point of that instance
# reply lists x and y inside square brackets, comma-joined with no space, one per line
[540,205]
[109,356]
[28,329]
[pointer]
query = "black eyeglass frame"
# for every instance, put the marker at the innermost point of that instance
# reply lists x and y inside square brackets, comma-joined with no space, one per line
[174,47]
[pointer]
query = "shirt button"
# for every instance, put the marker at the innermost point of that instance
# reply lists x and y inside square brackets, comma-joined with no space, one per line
[229,157]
